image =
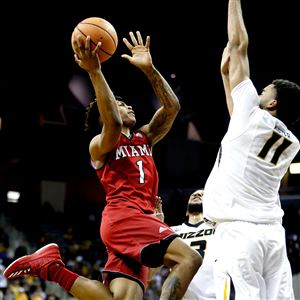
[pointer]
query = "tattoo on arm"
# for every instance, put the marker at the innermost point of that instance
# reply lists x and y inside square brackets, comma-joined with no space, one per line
[163,90]
[171,288]
[165,116]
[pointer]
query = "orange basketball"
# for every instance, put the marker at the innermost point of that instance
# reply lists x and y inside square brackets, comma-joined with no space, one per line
[100,30]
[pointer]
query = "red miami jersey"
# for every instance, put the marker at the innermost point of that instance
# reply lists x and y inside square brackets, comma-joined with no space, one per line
[130,174]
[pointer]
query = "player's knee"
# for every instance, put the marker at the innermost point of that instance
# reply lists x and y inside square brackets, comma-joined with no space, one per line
[195,260]
[191,260]
[184,257]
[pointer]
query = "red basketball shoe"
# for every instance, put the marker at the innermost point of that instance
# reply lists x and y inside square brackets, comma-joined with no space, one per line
[36,264]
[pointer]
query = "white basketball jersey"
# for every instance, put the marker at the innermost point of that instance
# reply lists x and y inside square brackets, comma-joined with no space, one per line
[199,237]
[254,156]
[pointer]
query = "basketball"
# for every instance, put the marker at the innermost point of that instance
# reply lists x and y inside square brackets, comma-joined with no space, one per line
[100,30]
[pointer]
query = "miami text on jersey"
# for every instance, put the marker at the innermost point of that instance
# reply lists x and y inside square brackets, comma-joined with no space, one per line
[133,150]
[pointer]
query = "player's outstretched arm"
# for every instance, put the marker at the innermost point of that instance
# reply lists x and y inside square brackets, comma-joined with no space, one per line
[238,44]
[164,117]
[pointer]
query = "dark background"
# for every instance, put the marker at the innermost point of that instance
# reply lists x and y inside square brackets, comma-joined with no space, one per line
[41,136]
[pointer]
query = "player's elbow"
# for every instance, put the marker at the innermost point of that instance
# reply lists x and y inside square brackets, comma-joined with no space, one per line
[175,108]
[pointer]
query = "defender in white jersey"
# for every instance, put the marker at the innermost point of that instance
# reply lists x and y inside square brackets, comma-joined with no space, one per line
[198,235]
[242,191]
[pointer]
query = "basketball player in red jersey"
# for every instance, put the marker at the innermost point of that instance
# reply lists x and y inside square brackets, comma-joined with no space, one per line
[135,238]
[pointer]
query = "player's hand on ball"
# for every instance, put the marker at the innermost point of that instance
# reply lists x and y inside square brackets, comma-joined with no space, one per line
[85,57]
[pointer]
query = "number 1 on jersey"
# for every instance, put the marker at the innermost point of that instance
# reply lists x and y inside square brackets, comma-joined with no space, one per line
[141,170]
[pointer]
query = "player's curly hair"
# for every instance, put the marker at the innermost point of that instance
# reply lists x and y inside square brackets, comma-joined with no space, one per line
[288,99]
[93,123]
